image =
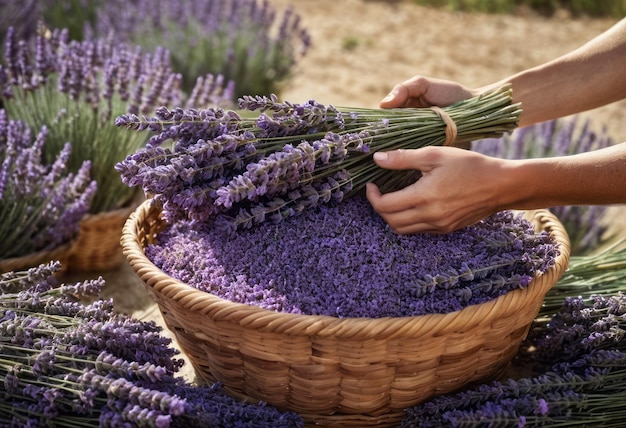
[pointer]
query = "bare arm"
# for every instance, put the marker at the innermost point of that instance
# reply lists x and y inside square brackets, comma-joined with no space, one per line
[591,76]
[586,78]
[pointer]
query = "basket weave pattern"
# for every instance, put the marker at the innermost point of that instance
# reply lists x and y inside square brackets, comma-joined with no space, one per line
[340,371]
[60,254]
[97,246]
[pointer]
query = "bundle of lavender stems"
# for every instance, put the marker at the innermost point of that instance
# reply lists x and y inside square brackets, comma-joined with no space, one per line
[239,169]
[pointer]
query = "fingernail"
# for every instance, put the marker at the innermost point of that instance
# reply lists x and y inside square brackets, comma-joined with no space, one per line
[390,96]
[381,156]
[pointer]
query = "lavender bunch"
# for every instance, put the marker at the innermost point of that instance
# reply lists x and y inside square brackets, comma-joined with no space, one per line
[290,157]
[561,137]
[40,204]
[245,41]
[587,275]
[69,364]
[588,391]
[309,264]
[583,325]
[77,88]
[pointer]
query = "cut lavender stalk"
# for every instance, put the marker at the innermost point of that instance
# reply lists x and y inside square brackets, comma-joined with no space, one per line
[69,364]
[580,357]
[589,391]
[587,275]
[285,148]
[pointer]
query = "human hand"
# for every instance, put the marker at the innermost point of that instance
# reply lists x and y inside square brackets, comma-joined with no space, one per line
[423,92]
[457,188]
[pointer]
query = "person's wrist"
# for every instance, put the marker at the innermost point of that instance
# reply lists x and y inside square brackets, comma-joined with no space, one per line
[520,185]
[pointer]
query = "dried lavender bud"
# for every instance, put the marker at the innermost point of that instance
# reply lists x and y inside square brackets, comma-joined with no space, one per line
[342,244]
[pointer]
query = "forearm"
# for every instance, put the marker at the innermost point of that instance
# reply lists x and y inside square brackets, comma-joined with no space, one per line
[586,78]
[592,178]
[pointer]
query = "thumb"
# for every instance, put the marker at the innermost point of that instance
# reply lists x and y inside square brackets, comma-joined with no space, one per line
[396,98]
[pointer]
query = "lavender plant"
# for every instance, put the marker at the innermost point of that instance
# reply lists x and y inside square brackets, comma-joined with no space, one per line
[290,158]
[77,88]
[561,137]
[68,364]
[311,271]
[40,204]
[243,40]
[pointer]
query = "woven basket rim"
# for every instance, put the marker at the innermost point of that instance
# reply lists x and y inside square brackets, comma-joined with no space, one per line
[204,303]
[59,253]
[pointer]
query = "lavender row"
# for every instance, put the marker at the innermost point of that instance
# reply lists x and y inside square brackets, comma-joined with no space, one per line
[41,204]
[246,41]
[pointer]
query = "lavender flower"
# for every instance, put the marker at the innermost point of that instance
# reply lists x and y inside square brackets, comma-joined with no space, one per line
[245,41]
[41,204]
[562,137]
[76,88]
[69,364]
[224,164]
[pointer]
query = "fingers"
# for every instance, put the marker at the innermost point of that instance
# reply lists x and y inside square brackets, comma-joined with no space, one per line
[390,203]
[423,92]
[407,213]
[422,159]
[409,93]
[398,97]
[402,216]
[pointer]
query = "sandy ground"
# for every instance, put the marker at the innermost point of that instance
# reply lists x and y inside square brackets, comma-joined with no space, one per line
[362,48]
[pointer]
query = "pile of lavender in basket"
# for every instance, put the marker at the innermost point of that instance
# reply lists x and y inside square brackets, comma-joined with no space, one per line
[344,261]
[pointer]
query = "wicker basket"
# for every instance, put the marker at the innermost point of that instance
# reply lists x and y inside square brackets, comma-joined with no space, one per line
[60,254]
[97,246]
[340,371]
